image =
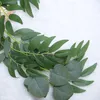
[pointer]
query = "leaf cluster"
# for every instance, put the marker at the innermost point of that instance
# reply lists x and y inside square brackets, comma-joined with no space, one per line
[30,54]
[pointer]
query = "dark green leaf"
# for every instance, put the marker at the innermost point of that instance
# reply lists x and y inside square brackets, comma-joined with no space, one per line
[2,27]
[89,70]
[13,7]
[21,71]
[35,3]
[45,45]
[57,45]
[28,8]
[15,18]
[9,28]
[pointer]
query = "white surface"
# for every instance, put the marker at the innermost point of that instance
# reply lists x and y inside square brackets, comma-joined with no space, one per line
[75,20]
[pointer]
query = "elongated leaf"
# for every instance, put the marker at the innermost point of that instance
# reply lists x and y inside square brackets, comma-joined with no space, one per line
[35,42]
[7,44]
[2,27]
[11,69]
[62,53]
[28,8]
[83,50]
[63,92]
[37,86]
[2,57]
[83,62]
[57,45]
[15,18]
[9,28]
[81,82]
[35,3]
[13,7]
[34,72]
[89,70]
[26,33]
[77,89]
[45,45]
[21,71]
[74,69]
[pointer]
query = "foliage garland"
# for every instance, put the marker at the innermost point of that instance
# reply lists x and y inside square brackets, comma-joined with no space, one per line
[31,53]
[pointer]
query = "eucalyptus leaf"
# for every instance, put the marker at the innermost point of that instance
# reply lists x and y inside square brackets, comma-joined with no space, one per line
[15,18]
[2,57]
[37,86]
[77,89]
[59,75]
[81,82]
[63,92]
[89,70]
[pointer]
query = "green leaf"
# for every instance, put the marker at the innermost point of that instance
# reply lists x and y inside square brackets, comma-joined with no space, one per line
[35,3]
[26,33]
[2,57]
[37,86]
[22,3]
[79,46]
[16,46]
[11,69]
[77,89]
[45,45]
[28,8]
[13,7]
[21,71]
[83,62]
[89,70]
[7,44]
[74,69]
[2,27]
[15,18]
[57,45]
[9,28]
[81,82]
[59,75]
[63,92]
[83,50]
[35,42]
[33,72]
[62,53]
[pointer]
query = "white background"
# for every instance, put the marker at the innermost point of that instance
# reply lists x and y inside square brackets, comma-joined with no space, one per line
[75,20]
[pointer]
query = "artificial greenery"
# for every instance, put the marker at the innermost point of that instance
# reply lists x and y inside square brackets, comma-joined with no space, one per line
[31,54]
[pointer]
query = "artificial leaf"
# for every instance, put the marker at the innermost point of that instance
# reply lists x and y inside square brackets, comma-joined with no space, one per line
[26,33]
[77,89]
[9,28]
[13,7]
[15,18]
[2,57]
[89,70]
[2,27]
[37,86]
[81,82]
[74,69]
[59,75]
[7,44]
[57,45]
[21,71]
[45,45]
[63,92]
